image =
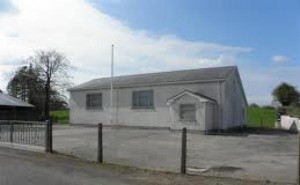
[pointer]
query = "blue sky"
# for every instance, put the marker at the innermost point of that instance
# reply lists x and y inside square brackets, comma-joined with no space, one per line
[268,26]
[261,37]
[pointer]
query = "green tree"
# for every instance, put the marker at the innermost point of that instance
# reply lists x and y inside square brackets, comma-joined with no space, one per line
[254,105]
[286,94]
[28,85]
[25,84]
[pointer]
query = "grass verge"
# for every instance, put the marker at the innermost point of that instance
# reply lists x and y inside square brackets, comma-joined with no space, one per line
[60,117]
[256,117]
[261,117]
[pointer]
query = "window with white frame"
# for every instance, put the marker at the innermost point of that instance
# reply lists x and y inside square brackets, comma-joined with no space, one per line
[188,112]
[94,101]
[142,99]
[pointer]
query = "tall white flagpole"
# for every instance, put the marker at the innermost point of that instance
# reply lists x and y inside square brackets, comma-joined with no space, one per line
[111,83]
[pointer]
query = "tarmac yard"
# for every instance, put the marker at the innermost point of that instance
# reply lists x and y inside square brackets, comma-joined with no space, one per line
[271,156]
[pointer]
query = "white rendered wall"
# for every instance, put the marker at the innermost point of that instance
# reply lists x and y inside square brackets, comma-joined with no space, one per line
[287,121]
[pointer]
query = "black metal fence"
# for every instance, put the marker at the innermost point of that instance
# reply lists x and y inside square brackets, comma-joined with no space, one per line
[23,132]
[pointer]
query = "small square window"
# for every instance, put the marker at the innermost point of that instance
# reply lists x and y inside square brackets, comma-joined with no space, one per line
[188,112]
[94,101]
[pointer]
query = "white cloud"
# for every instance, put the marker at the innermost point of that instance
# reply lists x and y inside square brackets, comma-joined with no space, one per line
[85,35]
[280,58]
[260,82]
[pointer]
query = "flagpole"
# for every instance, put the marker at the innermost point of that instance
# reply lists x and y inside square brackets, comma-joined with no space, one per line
[111,83]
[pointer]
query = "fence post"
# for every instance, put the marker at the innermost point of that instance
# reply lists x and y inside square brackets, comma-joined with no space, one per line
[183,151]
[48,136]
[100,145]
[11,139]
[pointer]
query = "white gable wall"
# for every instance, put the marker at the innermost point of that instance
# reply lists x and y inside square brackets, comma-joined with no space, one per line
[235,105]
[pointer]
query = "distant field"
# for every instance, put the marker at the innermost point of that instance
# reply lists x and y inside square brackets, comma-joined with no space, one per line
[261,117]
[256,117]
[61,117]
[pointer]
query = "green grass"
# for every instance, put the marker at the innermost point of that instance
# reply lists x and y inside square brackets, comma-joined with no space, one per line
[256,117]
[261,117]
[61,116]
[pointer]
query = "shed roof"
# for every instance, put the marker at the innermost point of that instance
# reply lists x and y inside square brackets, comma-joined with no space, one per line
[202,74]
[6,100]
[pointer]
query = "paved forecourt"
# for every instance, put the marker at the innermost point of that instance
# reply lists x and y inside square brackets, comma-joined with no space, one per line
[255,156]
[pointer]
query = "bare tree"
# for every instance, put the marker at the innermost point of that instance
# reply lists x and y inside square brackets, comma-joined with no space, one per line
[53,67]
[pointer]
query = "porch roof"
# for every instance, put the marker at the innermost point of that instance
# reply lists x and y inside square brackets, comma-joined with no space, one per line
[199,96]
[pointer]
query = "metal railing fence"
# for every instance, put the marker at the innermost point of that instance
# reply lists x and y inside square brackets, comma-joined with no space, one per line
[23,132]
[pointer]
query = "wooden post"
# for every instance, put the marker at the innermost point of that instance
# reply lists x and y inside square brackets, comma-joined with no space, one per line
[100,145]
[183,151]
[48,137]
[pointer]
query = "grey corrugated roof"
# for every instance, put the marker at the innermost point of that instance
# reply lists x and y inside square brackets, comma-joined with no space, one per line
[202,74]
[6,100]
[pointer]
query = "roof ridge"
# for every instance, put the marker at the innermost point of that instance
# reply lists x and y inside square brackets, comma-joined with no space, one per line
[164,72]
[186,75]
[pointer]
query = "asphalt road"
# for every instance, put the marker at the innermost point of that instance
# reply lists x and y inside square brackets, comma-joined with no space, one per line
[19,167]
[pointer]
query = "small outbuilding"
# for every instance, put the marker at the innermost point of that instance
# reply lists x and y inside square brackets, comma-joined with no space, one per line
[198,99]
[12,108]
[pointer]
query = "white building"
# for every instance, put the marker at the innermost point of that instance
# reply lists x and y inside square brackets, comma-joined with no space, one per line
[198,99]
